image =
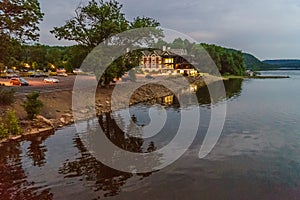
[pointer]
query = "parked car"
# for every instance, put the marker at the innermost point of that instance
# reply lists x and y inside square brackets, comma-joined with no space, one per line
[18,81]
[62,74]
[6,75]
[77,71]
[149,77]
[61,70]
[51,80]
[38,75]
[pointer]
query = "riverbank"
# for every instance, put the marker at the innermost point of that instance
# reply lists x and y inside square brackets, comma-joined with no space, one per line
[57,111]
[254,77]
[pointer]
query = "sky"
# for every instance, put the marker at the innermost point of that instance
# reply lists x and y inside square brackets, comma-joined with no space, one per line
[268,29]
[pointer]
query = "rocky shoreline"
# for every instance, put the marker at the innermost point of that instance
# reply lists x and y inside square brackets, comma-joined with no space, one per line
[64,116]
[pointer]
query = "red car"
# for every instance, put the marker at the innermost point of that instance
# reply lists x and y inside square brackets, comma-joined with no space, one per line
[18,81]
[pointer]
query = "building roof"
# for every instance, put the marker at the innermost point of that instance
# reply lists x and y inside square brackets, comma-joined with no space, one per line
[169,52]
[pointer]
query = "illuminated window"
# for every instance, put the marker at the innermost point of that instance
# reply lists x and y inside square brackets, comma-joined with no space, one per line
[169,60]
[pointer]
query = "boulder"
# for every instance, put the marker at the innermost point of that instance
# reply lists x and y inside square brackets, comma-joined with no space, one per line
[44,120]
[62,120]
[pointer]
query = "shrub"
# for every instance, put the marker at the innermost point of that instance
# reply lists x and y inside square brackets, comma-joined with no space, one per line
[3,131]
[32,105]
[7,97]
[12,123]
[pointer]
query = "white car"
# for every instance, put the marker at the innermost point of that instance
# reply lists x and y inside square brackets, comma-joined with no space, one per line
[51,80]
[77,71]
[62,74]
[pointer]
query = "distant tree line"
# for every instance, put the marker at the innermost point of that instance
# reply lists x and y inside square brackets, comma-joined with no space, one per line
[228,61]
[46,57]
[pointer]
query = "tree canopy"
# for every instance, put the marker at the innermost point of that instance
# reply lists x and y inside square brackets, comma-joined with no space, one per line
[19,19]
[97,21]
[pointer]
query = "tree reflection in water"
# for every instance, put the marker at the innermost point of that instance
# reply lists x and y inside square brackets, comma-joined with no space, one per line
[101,177]
[37,151]
[233,88]
[13,179]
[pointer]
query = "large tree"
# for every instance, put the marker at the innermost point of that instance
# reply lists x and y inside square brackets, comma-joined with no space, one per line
[93,23]
[98,21]
[18,23]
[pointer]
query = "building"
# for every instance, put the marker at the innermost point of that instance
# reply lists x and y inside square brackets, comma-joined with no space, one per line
[152,60]
[170,61]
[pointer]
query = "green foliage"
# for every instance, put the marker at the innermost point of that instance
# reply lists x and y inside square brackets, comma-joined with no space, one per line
[285,63]
[18,23]
[7,96]
[32,105]
[3,131]
[254,63]
[228,61]
[178,43]
[93,23]
[121,65]
[12,123]
[41,57]
[20,18]
[10,50]
[75,55]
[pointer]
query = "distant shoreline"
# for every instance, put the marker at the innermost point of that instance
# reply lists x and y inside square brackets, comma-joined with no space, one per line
[279,69]
[256,77]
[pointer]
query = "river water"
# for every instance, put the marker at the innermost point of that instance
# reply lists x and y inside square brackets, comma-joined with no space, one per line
[256,157]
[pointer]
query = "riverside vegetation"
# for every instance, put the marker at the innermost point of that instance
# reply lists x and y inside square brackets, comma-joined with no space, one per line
[9,122]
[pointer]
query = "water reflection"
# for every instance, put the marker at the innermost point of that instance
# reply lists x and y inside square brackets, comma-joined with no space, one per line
[101,177]
[233,88]
[37,150]
[13,178]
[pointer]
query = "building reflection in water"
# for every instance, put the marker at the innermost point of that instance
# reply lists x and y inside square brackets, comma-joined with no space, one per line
[168,100]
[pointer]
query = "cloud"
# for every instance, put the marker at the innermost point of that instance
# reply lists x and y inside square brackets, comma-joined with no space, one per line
[258,27]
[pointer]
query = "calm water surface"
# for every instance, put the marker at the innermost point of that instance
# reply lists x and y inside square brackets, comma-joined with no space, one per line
[257,156]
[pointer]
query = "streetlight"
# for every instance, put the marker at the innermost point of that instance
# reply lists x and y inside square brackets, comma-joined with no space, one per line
[27,65]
